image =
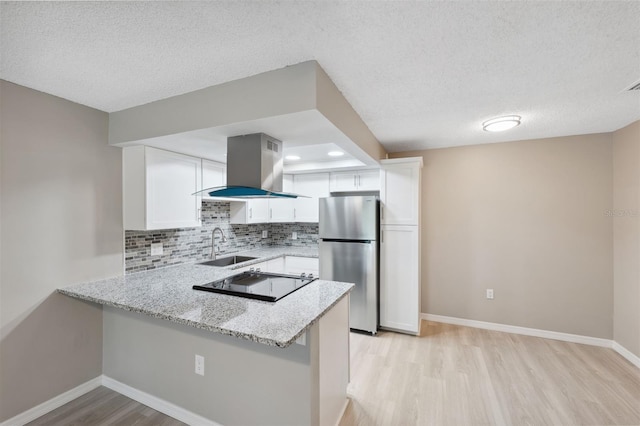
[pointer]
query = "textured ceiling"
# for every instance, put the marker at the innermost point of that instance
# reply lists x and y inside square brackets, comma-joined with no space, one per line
[420,74]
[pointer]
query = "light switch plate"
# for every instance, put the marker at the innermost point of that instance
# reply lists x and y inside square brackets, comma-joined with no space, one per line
[294,235]
[265,234]
[156,249]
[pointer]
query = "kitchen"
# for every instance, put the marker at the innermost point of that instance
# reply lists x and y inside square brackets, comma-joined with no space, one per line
[67,205]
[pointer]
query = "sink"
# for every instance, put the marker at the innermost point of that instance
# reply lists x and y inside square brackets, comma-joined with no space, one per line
[226,261]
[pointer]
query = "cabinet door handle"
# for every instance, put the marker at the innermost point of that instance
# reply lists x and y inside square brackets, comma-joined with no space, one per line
[382,212]
[359,181]
[294,213]
[354,181]
[270,213]
[381,237]
[250,212]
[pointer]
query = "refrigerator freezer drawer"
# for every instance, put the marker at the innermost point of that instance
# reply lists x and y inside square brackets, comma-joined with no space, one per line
[349,218]
[354,262]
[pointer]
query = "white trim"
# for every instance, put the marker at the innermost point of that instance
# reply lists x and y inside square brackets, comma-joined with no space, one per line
[574,338]
[157,404]
[55,402]
[191,418]
[630,356]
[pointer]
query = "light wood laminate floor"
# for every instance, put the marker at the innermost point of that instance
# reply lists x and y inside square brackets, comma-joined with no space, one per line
[453,375]
[103,406]
[450,375]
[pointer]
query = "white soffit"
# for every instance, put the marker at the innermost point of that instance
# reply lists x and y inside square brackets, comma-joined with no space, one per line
[420,74]
[307,134]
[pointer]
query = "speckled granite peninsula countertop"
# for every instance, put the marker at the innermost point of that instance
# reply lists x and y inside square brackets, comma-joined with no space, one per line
[167,293]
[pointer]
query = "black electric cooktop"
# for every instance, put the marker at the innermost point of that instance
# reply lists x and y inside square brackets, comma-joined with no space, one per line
[265,286]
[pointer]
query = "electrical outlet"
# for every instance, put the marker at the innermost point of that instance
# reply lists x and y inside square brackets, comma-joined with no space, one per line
[294,235]
[489,293]
[200,365]
[156,249]
[265,234]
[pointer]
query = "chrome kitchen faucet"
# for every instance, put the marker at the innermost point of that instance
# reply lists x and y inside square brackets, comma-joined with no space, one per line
[213,241]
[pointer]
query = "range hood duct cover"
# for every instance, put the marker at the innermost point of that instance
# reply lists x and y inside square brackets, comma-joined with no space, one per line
[254,168]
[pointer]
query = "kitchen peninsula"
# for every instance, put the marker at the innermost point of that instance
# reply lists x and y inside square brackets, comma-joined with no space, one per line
[254,373]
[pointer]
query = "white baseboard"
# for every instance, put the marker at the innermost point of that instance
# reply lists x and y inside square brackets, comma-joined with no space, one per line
[157,404]
[191,418]
[55,402]
[555,335]
[630,356]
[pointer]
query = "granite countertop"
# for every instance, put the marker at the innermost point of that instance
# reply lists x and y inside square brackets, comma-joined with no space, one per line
[167,293]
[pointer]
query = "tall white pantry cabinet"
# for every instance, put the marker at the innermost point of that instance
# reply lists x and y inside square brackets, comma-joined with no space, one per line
[400,190]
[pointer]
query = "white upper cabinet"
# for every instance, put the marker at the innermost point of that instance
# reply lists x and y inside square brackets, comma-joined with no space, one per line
[254,210]
[315,186]
[213,175]
[343,181]
[400,191]
[281,210]
[285,210]
[355,180]
[158,188]
[265,210]
[369,180]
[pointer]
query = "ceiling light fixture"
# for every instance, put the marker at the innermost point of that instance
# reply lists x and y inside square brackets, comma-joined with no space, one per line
[500,124]
[336,153]
[292,157]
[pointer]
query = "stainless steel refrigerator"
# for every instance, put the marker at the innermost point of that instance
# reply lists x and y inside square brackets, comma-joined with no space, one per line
[349,252]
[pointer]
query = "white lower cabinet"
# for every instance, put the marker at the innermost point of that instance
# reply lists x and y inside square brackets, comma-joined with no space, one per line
[400,278]
[262,266]
[295,265]
[276,265]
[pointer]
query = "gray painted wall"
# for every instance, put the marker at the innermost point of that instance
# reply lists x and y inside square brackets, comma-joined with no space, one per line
[272,93]
[626,232]
[245,383]
[528,220]
[61,221]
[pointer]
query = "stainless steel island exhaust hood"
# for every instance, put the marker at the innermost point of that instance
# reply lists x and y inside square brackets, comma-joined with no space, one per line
[254,168]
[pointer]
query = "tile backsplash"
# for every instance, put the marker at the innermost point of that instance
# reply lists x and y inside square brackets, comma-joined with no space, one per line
[189,244]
